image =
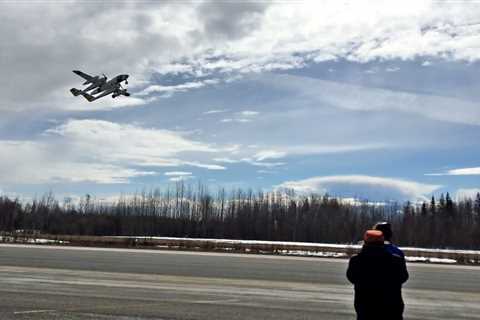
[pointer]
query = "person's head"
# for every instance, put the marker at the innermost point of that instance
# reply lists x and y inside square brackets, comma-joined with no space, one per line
[373,238]
[386,229]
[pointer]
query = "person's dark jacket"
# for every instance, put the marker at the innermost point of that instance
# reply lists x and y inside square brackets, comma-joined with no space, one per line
[393,249]
[377,276]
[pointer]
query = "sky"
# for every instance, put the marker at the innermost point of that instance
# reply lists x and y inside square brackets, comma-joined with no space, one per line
[373,100]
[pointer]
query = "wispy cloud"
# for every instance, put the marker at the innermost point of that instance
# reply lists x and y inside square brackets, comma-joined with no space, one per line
[283,151]
[458,172]
[250,161]
[367,99]
[178,173]
[392,69]
[248,37]
[238,120]
[426,63]
[169,90]
[180,178]
[176,176]
[98,151]
[204,165]
[215,111]
[365,187]
[241,117]
[248,113]
[38,163]
[269,154]
[467,193]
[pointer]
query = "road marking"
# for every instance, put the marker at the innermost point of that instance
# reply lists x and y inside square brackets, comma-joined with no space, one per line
[33,311]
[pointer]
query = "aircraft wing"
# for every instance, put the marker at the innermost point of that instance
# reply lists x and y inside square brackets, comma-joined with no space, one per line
[105,93]
[91,87]
[83,75]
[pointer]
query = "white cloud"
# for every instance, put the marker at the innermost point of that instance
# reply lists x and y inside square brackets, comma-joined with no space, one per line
[37,163]
[204,38]
[392,69]
[204,165]
[174,68]
[126,142]
[178,173]
[269,154]
[248,113]
[361,98]
[426,63]
[97,151]
[361,186]
[354,31]
[465,171]
[266,171]
[458,172]
[214,111]
[180,178]
[295,150]
[226,160]
[238,120]
[467,193]
[241,117]
[168,90]
[277,152]
[250,161]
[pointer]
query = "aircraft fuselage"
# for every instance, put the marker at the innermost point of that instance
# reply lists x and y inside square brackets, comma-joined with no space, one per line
[113,83]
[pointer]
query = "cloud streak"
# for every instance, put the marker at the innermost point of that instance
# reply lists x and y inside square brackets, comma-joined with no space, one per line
[475,171]
[98,151]
[467,193]
[210,38]
[364,187]
[367,99]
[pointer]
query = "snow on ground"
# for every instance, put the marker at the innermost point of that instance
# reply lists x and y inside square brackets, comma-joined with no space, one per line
[299,244]
[431,260]
[302,253]
[306,249]
[447,256]
[251,242]
[32,240]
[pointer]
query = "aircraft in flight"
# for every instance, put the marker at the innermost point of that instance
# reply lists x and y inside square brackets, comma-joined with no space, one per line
[100,85]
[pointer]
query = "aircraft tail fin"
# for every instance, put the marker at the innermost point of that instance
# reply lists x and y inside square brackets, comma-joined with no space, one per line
[87,96]
[75,92]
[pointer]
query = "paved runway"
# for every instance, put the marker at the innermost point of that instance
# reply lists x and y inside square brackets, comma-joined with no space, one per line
[41,282]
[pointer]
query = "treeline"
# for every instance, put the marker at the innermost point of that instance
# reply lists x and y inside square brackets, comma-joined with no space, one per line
[187,211]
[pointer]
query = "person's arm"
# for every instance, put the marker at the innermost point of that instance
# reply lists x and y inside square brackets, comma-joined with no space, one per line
[402,269]
[352,270]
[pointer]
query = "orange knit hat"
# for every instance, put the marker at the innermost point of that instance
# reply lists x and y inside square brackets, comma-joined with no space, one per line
[373,236]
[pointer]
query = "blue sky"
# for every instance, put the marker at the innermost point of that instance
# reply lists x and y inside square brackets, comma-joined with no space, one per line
[373,101]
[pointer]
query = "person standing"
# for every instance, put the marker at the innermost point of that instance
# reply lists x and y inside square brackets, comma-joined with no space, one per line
[386,229]
[377,276]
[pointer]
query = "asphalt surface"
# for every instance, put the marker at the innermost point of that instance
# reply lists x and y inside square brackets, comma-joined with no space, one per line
[41,282]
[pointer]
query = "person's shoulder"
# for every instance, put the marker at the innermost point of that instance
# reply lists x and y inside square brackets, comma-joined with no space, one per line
[355,258]
[397,260]
[396,256]
[393,249]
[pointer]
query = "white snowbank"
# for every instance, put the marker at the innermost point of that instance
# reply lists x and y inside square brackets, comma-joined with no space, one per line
[431,260]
